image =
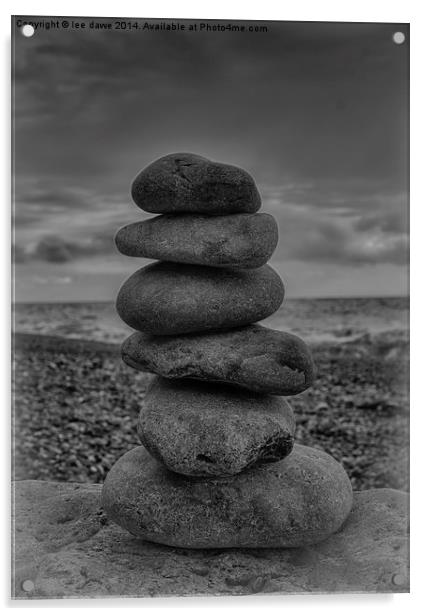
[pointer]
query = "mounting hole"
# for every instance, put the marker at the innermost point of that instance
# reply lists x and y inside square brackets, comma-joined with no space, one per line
[27,30]
[28,585]
[398,38]
[398,579]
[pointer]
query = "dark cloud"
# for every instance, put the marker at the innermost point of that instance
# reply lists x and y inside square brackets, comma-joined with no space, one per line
[314,236]
[330,244]
[387,221]
[18,254]
[55,249]
[43,197]
[58,198]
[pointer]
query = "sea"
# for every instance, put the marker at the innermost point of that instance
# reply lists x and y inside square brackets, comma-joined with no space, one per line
[315,320]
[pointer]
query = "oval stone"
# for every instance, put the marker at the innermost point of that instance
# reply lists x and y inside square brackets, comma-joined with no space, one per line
[198,429]
[186,182]
[298,501]
[238,240]
[169,298]
[254,357]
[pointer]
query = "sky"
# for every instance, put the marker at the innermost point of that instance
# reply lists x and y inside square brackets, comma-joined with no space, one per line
[317,113]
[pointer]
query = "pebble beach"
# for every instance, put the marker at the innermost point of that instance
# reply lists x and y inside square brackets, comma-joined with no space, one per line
[76,403]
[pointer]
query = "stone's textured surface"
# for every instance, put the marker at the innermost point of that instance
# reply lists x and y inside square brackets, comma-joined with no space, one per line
[238,240]
[184,182]
[195,428]
[254,357]
[298,501]
[66,547]
[168,298]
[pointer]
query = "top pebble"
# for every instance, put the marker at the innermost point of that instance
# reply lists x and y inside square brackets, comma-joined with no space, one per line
[180,183]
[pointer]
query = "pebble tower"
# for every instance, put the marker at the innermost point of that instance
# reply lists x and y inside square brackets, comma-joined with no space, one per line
[217,467]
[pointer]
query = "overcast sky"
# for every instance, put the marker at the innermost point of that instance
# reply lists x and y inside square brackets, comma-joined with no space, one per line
[317,113]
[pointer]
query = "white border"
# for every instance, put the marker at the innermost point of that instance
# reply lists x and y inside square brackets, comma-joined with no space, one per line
[402,11]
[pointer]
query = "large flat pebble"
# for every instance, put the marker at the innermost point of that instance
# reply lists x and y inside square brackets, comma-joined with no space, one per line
[184,182]
[198,429]
[254,357]
[296,502]
[238,240]
[169,298]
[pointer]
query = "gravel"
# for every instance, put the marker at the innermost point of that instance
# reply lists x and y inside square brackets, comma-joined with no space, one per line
[76,407]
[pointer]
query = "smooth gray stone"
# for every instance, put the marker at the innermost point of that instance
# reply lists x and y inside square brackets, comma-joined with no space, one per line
[64,545]
[298,501]
[199,429]
[184,182]
[254,357]
[237,240]
[169,298]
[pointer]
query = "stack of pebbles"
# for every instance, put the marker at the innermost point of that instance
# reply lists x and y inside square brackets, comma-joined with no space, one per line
[218,467]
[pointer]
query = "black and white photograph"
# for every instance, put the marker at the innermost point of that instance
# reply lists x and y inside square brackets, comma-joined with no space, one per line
[210,347]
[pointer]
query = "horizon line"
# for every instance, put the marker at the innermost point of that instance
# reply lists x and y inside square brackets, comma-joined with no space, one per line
[325,297]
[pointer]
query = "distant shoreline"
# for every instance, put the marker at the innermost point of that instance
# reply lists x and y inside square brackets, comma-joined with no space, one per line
[315,320]
[46,342]
[299,299]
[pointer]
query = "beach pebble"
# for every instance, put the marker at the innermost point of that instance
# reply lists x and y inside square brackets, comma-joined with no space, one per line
[298,501]
[254,357]
[198,429]
[238,240]
[185,182]
[167,298]
[322,406]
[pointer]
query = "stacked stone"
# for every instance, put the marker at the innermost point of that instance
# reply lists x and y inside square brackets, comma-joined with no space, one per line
[218,467]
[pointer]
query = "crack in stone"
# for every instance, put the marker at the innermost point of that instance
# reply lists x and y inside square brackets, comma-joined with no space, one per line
[178,169]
